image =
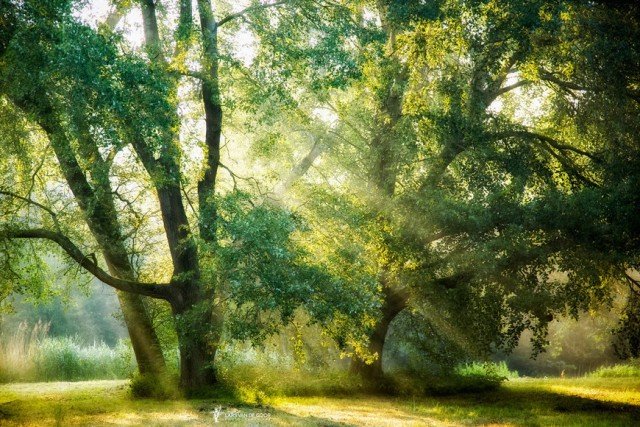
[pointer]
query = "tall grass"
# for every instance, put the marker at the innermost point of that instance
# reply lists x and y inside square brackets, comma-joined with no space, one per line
[19,349]
[629,369]
[28,354]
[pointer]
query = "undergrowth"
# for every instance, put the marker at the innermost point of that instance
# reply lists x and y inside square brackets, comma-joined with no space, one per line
[629,369]
[30,355]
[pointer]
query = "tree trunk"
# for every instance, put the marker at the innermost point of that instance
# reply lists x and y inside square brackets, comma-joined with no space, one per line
[198,328]
[197,358]
[394,303]
[384,174]
[101,216]
[144,339]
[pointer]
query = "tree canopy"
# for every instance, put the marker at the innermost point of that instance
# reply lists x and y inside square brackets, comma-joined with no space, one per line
[473,165]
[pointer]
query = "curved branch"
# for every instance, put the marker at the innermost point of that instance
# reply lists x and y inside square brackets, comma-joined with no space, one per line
[549,144]
[571,86]
[249,9]
[53,215]
[155,290]
[548,140]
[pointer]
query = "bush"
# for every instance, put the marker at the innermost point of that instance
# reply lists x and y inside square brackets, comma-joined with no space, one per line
[465,378]
[486,370]
[256,375]
[151,386]
[29,355]
[66,359]
[630,369]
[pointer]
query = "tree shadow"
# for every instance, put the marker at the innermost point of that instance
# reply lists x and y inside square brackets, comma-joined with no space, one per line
[534,405]
[257,415]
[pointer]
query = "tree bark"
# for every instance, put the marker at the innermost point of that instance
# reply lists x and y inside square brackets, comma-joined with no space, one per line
[394,303]
[101,216]
[144,340]
[190,298]
[198,330]
[383,177]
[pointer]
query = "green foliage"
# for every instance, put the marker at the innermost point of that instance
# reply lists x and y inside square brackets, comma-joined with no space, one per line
[152,386]
[489,370]
[268,274]
[630,369]
[474,377]
[479,147]
[574,348]
[29,355]
[257,375]
[627,332]
[65,359]
[88,317]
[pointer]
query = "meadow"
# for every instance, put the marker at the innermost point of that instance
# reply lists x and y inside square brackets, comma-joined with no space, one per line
[60,381]
[587,401]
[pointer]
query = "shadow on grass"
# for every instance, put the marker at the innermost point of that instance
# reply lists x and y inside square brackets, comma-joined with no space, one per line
[543,398]
[521,405]
[84,410]
[236,414]
[540,407]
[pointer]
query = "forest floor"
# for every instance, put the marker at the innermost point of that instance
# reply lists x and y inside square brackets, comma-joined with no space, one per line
[530,402]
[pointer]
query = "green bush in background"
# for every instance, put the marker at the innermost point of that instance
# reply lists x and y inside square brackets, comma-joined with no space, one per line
[66,359]
[628,369]
[30,355]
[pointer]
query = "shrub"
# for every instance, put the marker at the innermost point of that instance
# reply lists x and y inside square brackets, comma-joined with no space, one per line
[29,355]
[151,386]
[256,375]
[485,370]
[465,378]
[630,369]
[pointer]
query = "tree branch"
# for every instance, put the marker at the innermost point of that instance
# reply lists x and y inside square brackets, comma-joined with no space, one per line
[249,9]
[509,88]
[301,168]
[54,217]
[154,290]
[549,77]
[548,144]
[548,140]
[113,19]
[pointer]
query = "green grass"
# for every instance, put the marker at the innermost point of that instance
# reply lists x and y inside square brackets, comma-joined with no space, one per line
[629,369]
[28,354]
[526,402]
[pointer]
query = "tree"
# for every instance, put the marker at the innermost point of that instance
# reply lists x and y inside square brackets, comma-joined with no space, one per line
[94,102]
[480,201]
[483,133]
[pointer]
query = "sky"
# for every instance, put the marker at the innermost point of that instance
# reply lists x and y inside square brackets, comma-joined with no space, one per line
[96,11]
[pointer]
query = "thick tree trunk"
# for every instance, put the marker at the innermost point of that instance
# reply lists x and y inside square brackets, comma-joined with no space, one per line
[101,216]
[384,174]
[144,339]
[394,303]
[197,358]
[198,328]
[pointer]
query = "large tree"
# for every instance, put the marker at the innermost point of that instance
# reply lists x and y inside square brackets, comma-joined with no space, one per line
[482,141]
[111,119]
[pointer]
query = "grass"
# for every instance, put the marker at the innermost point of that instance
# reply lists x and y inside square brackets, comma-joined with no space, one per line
[629,369]
[522,401]
[29,354]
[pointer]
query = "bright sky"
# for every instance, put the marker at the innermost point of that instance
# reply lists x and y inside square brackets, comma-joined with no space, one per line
[96,11]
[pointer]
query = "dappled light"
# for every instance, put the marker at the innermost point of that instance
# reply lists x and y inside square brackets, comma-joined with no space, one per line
[319,212]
